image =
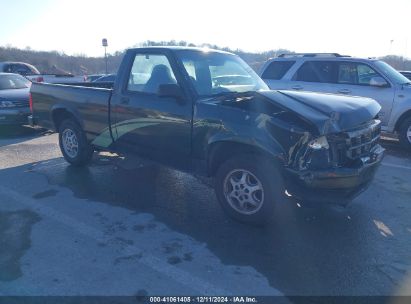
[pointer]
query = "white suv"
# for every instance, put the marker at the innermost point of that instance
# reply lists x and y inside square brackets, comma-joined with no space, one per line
[338,74]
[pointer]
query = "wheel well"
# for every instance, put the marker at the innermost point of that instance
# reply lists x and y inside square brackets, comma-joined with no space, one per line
[59,115]
[221,152]
[403,117]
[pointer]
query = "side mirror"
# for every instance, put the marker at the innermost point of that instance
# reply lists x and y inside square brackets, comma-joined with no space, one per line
[171,90]
[378,81]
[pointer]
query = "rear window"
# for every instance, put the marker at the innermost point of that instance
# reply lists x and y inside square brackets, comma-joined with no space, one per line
[19,68]
[277,69]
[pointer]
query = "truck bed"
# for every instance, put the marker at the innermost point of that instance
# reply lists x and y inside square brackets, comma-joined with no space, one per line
[88,103]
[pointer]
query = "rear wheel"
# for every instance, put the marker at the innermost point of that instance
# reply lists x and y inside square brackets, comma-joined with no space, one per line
[248,188]
[405,133]
[73,143]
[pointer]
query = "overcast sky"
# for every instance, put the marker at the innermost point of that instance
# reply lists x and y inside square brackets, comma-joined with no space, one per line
[353,27]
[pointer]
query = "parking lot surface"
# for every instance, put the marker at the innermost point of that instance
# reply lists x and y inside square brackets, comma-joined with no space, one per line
[124,226]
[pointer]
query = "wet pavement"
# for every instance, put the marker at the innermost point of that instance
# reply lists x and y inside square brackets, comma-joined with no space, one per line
[125,226]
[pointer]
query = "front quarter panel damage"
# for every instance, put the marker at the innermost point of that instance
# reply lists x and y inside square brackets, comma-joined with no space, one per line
[252,120]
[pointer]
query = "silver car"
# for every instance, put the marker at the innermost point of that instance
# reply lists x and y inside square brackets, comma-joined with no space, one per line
[339,74]
[14,99]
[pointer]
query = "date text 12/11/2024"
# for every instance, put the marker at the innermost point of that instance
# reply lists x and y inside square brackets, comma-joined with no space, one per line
[209,299]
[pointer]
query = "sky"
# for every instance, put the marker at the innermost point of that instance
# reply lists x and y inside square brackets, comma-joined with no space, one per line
[353,27]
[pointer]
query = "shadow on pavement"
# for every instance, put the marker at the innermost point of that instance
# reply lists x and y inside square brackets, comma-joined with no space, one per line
[305,251]
[15,134]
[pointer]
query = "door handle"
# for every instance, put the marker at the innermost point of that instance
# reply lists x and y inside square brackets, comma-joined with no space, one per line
[297,87]
[344,91]
[125,100]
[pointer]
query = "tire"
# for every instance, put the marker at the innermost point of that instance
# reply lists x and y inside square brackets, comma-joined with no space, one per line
[405,134]
[259,186]
[73,143]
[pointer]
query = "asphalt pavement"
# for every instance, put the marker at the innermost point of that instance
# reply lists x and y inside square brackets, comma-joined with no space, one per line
[125,226]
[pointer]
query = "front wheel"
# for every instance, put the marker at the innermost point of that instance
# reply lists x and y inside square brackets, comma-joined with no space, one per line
[73,143]
[248,188]
[405,133]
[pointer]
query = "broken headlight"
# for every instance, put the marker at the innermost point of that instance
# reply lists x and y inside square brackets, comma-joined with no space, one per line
[319,143]
[318,156]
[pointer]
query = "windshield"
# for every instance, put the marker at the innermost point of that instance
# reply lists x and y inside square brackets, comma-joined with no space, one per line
[214,73]
[392,73]
[8,82]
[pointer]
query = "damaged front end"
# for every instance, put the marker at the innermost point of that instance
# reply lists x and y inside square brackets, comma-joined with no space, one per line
[327,144]
[334,167]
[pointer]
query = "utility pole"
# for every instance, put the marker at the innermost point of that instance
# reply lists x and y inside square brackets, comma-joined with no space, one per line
[105,44]
[405,54]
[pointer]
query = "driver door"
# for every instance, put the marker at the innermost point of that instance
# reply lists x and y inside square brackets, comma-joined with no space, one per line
[155,127]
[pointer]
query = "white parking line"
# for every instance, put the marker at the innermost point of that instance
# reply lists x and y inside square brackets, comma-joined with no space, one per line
[396,166]
[155,263]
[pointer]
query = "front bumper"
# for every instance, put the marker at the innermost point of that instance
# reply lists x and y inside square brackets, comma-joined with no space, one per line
[334,185]
[16,116]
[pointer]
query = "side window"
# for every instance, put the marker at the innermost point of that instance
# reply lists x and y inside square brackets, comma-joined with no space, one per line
[355,73]
[148,72]
[317,71]
[347,73]
[365,74]
[277,69]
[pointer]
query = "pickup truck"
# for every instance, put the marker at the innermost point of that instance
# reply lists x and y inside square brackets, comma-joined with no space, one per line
[206,112]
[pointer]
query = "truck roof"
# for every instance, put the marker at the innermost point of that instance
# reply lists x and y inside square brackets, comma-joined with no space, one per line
[181,48]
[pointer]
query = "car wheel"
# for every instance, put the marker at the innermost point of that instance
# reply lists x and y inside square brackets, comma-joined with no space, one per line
[248,188]
[405,133]
[73,143]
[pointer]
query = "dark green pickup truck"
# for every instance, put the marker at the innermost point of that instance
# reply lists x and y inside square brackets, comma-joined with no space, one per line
[207,112]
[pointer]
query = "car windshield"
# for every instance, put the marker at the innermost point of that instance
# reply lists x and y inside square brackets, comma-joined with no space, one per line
[392,73]
[8,82]
[215,73]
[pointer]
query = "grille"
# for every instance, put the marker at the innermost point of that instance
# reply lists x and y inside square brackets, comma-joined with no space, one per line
[351,145]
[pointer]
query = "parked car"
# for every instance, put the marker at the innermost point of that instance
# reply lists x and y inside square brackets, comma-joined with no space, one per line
[334,73]
[14,99]
[106,78]
[31,73]
[406,74]
[256,144]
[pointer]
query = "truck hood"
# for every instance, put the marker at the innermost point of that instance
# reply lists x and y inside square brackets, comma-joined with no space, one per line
[329,113]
